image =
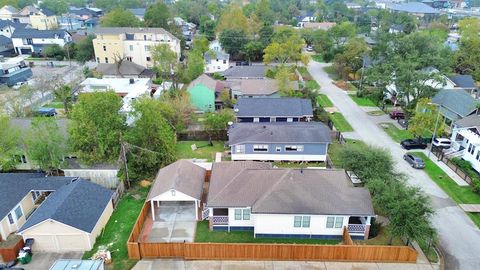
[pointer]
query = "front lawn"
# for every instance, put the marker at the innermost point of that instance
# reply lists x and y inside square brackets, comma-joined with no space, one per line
[318,58]
[332,73]
[204,235]
[340,123]
[204,151]
[115,234]
[324,101]
[460,194]
[395,133]
[334,151]
[362,101]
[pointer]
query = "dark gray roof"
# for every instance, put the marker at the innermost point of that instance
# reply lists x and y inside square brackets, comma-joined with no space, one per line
[16,25]
[255,71]
[279,132]
[413,7]
[5,40]
[83,11]
[137,11]
[183,176]
[463,81]
[264,107]
[34,33]
[455,104]
[127,68]
[15,186]
[469,121]
[47,12]
[78,204]
[218,55]
[287,191]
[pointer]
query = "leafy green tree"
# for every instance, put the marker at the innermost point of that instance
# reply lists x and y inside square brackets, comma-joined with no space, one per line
[367,162]
[200,45]
[152,137]
[425,119]
[56,6]
[65,95]
[119,17]
[233,41]
[165,61]
[9,144]
[467,58]
[253,50]
[54,51]
[265,35]
[45,145]
[323,43]
[351,59]
[157,15]
[286,47]
[207,28]
[283,81]
[13,3]
[84,49]
[176,108]
[233,19]
[340,33]
[194,10]
[96,127]
[195,66]
[23,3]
[265,12]
[216,123]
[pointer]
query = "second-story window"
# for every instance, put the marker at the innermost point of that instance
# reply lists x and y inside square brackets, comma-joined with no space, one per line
[104,48]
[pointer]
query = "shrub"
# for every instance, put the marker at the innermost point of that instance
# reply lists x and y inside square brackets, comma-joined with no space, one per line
[476,186]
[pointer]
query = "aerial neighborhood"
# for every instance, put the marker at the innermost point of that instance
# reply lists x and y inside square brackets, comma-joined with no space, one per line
[239,134]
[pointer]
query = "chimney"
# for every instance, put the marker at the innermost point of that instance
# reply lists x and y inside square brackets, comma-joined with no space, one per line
[132,81]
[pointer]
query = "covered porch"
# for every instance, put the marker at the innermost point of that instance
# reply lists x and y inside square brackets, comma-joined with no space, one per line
[359,226]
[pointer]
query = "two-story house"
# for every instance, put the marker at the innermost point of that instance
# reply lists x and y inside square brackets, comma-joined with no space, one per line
[287,203]
[133,44]
[33,41]
[273,110]
[216,61]
[44,19]
[281,141]
[14,70]
[466,140]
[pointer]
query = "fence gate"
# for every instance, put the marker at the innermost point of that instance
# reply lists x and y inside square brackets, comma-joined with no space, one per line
[205,212]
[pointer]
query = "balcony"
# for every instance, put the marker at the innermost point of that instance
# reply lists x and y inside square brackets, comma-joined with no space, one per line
[219,220]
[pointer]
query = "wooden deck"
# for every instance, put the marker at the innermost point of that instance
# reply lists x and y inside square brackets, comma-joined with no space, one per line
[471,208]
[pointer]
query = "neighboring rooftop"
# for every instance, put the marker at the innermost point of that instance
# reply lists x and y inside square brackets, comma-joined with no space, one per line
[183,176]
[4,41]
[15,186]
[271,107]
[243,72]
[319,25]
[34,33]
[469,121]
[287,191]
[127,68]
[279,132]
[256,87]
[131,30]
[203,80]
[413,7]
[119,85]
[463,81]
[455,103]
[78,204]
[218,55]
[64,264]
[16,25]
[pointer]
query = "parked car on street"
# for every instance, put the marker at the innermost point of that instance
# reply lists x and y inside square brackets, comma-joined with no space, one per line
[414,161]
[413,144]
[442,143]
[397,115]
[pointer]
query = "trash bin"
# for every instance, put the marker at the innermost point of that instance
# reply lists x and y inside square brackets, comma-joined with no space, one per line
[24,257]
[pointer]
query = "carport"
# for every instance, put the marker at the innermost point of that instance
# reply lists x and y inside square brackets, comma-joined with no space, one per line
[175,199]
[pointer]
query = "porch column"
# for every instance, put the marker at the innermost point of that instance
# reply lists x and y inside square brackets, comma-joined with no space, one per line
[152,205]
[196,210]
[367,228]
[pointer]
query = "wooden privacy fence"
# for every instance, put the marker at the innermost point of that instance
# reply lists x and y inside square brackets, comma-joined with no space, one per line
[292,252]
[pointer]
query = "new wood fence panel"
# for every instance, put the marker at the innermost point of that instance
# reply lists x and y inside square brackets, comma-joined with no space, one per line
[162,250]
[133,251]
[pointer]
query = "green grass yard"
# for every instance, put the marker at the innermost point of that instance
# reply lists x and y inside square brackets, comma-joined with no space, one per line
[340,123]
[54,104]
[324,101]
[318,58]
[395,133]
[332,73]
[305,74]
[118,229]
[335,148]
[460,194]
[204,235]
[362,101]
[204,151]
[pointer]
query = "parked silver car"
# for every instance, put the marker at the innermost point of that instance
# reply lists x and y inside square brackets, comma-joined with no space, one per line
[414,161]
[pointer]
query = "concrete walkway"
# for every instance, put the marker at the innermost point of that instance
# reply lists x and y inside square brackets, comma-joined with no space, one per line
[174,264]
[446,169]
[459,236]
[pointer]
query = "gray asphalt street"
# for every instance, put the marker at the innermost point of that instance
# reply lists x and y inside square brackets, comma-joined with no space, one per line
[459,237]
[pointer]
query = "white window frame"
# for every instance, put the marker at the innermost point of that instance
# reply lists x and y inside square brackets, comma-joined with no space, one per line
[301,221]
[298,148]
[240,149]
[242,214]
[334,222]
[21,212]
[256,148]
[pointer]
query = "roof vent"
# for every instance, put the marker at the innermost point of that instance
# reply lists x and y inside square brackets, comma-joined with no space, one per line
[132,81]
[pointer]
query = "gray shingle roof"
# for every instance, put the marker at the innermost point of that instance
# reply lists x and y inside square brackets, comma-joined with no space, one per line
[5,40]
[455,104]
[287,191]
[34,33]
[47,12]
[204,80]
[469,121]
[413,7]
[127,68]
[183,176]
[137,11]
[463,81]
[264,107]
[218,55]
[280,132]
[255,71]
[15,186]
[256,87]
[16,25]
[78,204]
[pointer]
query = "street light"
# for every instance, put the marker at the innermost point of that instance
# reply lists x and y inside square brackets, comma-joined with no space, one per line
[436,126]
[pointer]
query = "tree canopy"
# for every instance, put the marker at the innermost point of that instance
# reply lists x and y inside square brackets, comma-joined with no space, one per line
[9,144]
[119,17]
[157,15]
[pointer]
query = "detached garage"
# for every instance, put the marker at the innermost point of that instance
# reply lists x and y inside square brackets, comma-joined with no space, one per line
[178,188]
[70,219]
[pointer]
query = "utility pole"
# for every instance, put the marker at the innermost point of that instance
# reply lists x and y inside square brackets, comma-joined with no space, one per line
[124,159]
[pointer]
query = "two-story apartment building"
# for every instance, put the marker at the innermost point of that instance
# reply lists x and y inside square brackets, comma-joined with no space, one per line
[286,203]
[29,41]
[14,70]
[44,19]
[132,44]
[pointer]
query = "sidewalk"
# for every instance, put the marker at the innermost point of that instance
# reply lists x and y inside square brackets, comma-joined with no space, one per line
[446,169]
[166,264]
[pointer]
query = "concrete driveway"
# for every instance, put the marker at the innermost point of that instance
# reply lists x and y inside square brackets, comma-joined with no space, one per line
[174,222]
[44,260]
[459,237]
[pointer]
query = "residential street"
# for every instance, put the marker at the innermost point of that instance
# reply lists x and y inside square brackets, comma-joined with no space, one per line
[458,235]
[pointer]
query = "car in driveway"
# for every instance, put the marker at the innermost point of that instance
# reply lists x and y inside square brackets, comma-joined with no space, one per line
[442,142]
[414,161]
[397,115]
[413,144]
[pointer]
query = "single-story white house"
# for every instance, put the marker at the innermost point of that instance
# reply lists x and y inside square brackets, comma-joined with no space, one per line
[292,203]
[466,140]
[178,183]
